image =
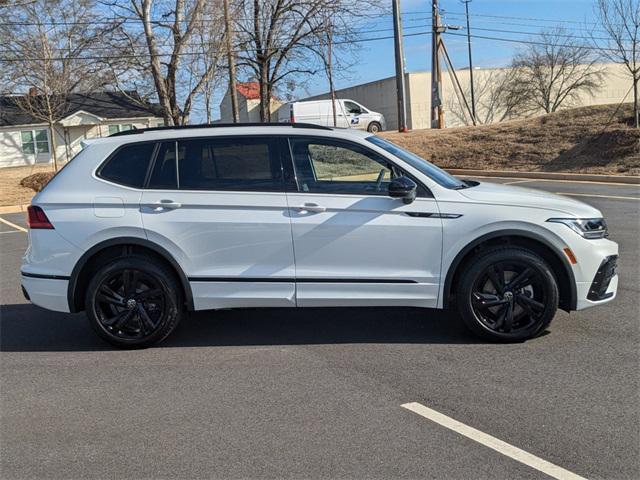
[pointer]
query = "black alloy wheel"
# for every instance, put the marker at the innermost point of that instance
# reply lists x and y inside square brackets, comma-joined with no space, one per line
[509,295]
[133,303]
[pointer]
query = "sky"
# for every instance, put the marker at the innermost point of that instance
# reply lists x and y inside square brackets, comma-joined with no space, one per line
[376,59]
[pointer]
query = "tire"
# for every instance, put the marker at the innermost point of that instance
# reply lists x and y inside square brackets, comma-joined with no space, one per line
[133,302]
[520,307]
[374,127]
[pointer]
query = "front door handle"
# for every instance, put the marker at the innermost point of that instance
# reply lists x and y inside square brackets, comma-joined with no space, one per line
[311,207]
[164,205]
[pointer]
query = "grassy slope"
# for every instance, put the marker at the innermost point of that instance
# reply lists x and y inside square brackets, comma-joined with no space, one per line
[573,140]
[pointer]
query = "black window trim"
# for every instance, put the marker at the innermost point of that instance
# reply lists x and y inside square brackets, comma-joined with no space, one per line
[421,185]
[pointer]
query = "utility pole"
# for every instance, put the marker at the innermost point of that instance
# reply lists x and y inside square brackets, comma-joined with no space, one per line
[231,63]
[437,112]
[473,96]
[399,53]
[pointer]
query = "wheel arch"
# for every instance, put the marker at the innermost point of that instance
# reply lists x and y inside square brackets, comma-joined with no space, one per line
[114,248]
[536,243]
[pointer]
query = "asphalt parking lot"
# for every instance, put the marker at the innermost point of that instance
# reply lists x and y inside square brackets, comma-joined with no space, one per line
[318,393]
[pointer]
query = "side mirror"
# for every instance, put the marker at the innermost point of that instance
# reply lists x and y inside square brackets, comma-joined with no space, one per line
[404,188]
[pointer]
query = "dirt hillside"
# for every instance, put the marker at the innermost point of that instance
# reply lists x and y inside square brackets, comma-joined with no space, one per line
[581,140]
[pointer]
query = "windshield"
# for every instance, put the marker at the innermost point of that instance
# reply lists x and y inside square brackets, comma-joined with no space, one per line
[429,169]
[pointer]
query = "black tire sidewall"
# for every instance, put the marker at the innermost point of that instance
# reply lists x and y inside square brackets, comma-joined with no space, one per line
[171,294]
[374,124]
[477,266]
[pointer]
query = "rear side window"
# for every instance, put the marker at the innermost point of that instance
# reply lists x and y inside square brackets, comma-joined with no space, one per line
[218,164]
[129,165]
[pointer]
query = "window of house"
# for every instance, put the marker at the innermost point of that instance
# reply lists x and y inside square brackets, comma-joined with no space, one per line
[119,128]
[35,141]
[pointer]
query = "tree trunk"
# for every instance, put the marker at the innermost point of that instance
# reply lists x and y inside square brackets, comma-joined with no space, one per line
[265,91]
[332,90]
[231,63]
[636,119]
[54,154]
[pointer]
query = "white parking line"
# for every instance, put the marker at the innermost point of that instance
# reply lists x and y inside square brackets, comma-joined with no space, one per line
[13,225]
[518,181]
[493,443]
[616,197]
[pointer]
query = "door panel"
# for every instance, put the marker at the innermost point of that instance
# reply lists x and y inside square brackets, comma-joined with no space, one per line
[360,248]
[226,241]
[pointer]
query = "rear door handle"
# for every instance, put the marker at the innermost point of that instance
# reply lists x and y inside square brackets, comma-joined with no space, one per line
[164,205]
[311,207]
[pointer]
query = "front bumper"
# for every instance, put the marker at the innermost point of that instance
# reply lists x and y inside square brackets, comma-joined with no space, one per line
[602,288]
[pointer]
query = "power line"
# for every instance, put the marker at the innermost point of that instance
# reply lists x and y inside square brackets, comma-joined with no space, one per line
[168,54]
[531,42]
[207,44]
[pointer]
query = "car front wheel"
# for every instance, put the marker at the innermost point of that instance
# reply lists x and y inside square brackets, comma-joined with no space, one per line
[133,302]
[507,294]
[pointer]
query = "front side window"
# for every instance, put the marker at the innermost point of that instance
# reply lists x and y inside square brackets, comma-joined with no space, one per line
[35,141]
[328,166]
[429,169]
[218,164]
[352,108]
[128,166]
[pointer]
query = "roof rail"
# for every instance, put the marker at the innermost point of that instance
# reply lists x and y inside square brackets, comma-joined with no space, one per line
[220,125]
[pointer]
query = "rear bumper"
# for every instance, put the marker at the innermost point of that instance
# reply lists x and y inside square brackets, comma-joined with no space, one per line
[48,292]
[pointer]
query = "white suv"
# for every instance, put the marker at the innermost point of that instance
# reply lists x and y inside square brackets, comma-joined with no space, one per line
[145,225]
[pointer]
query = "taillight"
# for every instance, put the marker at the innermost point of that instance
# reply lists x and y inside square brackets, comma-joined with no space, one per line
[292,118]
[37,218]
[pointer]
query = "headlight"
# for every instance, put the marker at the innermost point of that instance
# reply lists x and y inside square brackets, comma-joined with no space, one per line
[590,228]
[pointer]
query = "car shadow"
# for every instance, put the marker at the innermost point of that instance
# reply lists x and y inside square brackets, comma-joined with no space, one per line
[25,327]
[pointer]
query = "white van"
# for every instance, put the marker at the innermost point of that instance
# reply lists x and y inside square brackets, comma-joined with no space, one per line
[349,114]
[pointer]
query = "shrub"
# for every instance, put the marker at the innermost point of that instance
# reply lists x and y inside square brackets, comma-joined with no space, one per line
[37,181]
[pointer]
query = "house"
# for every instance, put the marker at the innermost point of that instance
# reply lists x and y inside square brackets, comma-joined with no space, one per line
[248,94]
[380,95]
[25,140]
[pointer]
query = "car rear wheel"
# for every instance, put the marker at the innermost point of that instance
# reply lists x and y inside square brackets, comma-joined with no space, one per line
[507,294]
[132,302]
[374,127]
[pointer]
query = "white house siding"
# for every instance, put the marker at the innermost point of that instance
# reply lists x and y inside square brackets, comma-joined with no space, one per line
[11,154]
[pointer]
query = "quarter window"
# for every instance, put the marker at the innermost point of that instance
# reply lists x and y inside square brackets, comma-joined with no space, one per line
[35,141]
[129,165]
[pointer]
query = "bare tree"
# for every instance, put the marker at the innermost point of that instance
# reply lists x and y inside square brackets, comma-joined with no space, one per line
[273,36]
[50,58]
[621,20]
[182,42]
[499,97]
[556,70]
[336,44]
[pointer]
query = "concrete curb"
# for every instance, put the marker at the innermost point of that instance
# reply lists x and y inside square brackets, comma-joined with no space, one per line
[13,209]
[576,177]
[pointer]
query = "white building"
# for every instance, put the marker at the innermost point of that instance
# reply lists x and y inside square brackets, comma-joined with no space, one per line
[25,140]
[380,95]
[248,95]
